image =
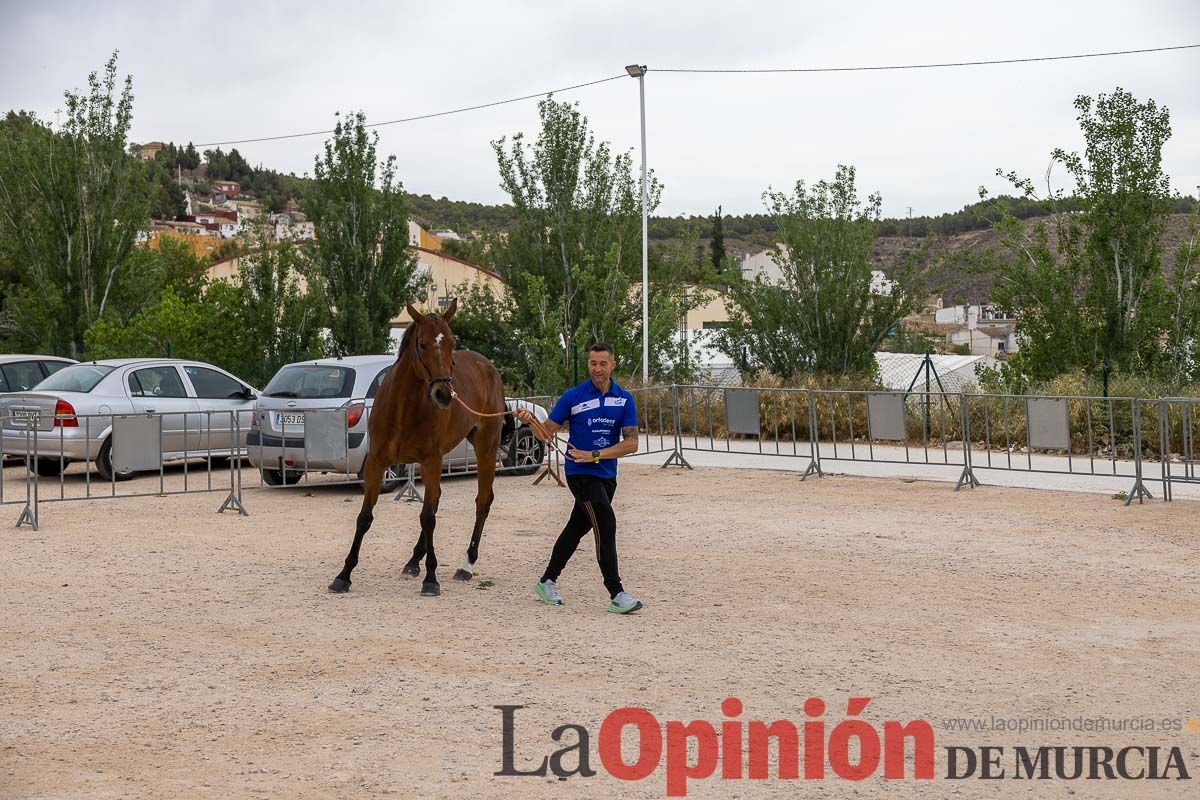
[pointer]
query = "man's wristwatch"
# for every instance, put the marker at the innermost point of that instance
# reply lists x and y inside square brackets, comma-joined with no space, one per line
[595,456]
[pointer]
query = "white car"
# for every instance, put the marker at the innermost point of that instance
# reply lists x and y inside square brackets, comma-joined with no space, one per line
[74,409]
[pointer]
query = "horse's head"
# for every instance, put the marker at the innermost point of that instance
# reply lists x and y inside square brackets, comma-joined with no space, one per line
[433,348]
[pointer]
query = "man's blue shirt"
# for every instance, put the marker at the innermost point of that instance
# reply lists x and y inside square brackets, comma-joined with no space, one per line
[596,422]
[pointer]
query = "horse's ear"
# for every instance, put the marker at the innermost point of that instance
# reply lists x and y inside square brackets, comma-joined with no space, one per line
[416,316]
[448,314]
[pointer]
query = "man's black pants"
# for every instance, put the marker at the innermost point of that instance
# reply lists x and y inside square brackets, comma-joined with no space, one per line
[592,512]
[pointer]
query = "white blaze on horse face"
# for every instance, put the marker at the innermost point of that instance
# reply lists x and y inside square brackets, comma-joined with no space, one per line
[438,339]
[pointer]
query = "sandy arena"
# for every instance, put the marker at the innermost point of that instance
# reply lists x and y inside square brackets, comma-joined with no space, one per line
[151,648]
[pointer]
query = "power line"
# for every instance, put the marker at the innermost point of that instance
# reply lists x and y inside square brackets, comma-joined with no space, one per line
[420,117]
[879,68]
[934,66]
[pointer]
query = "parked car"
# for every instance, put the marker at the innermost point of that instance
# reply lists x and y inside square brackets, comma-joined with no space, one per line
[351,384]
[20,373]
[75,406]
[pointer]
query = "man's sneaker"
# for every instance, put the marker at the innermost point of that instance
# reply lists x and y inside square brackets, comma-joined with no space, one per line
[624,603]
[548,592]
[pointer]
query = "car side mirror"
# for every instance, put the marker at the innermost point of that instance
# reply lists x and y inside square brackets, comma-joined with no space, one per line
[249,394]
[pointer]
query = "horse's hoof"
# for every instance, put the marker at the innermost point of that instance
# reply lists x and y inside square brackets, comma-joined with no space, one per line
[411,570]
[462,575]
[339,586]
[430,589]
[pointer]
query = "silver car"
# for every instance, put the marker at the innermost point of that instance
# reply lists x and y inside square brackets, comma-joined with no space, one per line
[74,410]
[20,373]
[276,443]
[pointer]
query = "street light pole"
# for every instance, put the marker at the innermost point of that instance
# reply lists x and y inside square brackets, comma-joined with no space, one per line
[639,72]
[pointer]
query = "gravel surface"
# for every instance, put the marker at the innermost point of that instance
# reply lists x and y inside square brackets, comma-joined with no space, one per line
[153,648]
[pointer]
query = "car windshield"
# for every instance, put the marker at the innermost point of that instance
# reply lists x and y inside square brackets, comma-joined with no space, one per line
[311,381]
[75,378]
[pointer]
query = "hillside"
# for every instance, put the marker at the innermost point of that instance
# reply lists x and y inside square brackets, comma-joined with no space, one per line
[956,235]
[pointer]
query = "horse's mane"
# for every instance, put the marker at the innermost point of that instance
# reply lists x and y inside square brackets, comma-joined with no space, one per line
[404,340]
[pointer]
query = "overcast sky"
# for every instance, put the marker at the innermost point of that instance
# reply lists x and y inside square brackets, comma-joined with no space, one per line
[923,138]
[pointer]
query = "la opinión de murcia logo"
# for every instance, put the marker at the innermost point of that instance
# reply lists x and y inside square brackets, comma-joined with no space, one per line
[739,743]
[852,749]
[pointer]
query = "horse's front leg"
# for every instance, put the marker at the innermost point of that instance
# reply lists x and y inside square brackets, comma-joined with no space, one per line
[431,480]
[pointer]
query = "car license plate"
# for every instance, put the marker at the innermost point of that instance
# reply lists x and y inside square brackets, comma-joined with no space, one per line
[288,419]
[24,417]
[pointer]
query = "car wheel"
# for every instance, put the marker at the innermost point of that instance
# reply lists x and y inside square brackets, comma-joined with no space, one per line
[49,467]
[274,477]
[525,453]
[104,464]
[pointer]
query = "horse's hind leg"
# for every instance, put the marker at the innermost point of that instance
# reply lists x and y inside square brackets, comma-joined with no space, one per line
[413,568]
[372,482]
[486,464]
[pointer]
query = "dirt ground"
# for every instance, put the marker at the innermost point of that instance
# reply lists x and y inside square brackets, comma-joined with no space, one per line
[151,648]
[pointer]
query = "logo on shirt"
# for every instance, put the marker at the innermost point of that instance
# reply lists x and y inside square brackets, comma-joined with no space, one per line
[586,405]
[614,401]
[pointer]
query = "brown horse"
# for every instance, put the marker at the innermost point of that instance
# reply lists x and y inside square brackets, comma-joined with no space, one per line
[416,421]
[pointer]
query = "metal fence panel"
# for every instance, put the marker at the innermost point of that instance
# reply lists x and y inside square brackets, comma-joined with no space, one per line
[741,411]
[885,412]
[137,443]
[1049,428]
[325,435]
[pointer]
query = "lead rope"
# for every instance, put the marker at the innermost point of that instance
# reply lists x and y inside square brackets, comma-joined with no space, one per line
[535,425]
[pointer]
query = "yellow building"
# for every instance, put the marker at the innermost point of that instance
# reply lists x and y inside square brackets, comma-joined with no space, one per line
[712,314]
[422,239]
[194,236]
[444,273]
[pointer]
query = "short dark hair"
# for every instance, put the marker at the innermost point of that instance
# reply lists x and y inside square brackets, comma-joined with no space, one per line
[599,347]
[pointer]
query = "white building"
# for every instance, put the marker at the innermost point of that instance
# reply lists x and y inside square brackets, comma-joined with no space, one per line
[983,329]
[292,226]
[763,264]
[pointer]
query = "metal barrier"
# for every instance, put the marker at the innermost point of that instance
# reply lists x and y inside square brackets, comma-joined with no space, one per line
[1178,428]
[718,419]
[1067,435]
[122,445]
[1074,435]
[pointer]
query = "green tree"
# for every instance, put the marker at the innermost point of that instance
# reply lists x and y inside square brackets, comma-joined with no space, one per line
[190,158]
[1086,282]
[578,217]
[71,205]
[360,216]
[167,200]
[1183,344]
[172,264]
[717,242]
[175,327]
[280,317]
[829,312]
[250,325]
[477,250]
[484,323]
